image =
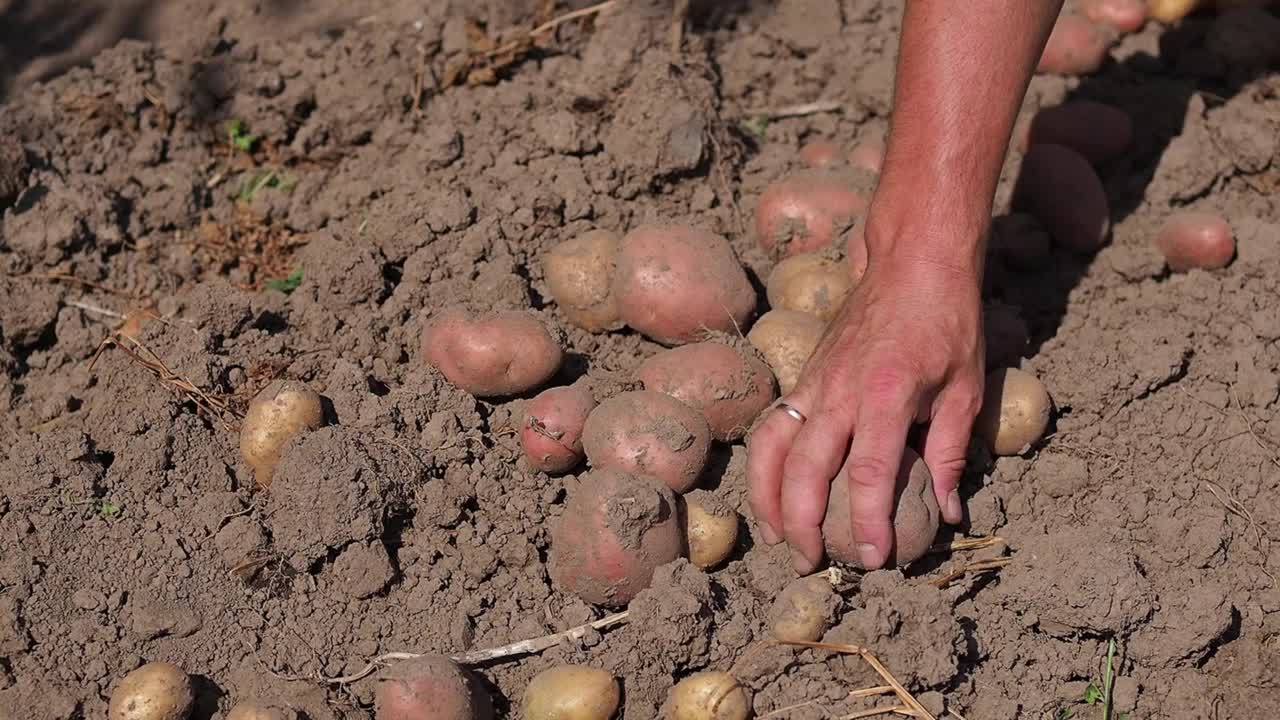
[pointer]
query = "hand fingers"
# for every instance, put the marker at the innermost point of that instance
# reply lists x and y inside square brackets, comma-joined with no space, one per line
[815,458]
[767,449]
[945,446]
[884,416]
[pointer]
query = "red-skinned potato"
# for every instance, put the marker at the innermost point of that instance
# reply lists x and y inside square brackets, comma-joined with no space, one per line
[1195,240]
[821,154]
[806,211]
[675,283]
[616,529]
[786,339]
[649,433]
[868,155]
[1077,46]
[431,687]
[1097,131]
[1021,242]
[1004,333]
[729,386]
[1062,190]
[1125,16]
[579,274]
[809,283]
[504,354]
[551,434]
[1245,37]
[915,515]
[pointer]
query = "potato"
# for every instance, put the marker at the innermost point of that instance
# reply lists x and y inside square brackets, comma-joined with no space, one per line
[1097,131]
[915,515]
[616,529]
[729,386]
[1196,240]
[253,711]
[675,283]
[1125,16]
[650,433]
[1004,334]
[855,251]
[807,211]
[804,610]
[155,691]
[821,154]
[1171,11]
[1059,187]
[809,283]
[1015,411]
[868,155]
[710,528]
[579,274]
[1021,242]
[431,687]
[786,339]
[1076,46]
[503,354]
[1246,37]
[709,695]
[276,414]
[551,433]
[571,692]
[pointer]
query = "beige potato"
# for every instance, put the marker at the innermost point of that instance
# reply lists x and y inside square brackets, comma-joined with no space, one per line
[155,691]
[579,275]
[1015,411]
[277,413]
[709,695]
[809,283]
[710,527]
[254,711]
[786,339]
[572,692]
[804,610]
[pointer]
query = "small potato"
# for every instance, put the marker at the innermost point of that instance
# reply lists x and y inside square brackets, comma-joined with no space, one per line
[1015,411]
[504,354]
[431,687]
[821,154]
[868,155]
[709,695]
[915,515]
[254,711]
[1196,240]
[710,528]
[155,691]
[571,692]
[1246,37]
[809,283]
[1021,242]
[1004,333]
[729,386]
[1076,46]
[616,529]
[804,610]
[786,339]
[551,434]
[579,274]
[1059,187]
[1171,11]
[650,433]
[276,414]
[855,251]
[675,283]
[1097,131]
[1125,16]
[807,211]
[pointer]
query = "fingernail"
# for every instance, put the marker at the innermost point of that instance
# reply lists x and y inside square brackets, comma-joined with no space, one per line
[768,534]
[954,511]
[870,556]
[800,562]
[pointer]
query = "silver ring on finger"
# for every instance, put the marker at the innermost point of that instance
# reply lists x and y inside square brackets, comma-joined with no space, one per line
[793,412]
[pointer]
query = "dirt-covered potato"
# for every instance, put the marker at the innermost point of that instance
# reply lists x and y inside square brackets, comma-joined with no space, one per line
[804,610]
[254,711]
[276,414]
[1062,190]
[710,528]
[155,691]
[616,529]
[1099,132]
[730,386]
[1196,240]
[1077,46]
[432,686]
[1021,242]
[571,692]
[579,274]
[503,354]
[650,433]
[1245,37]
[915,515]
[809,283]
[1015,411]
[786,339]
[675,283]
[709,695]
[551,433]
[807,211]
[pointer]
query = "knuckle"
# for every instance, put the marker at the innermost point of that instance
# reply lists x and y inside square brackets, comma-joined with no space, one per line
[800,466]
[886,382]
[870,472]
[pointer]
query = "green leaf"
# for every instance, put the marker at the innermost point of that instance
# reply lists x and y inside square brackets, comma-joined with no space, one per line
[286,285]
[1122,716]
[1092,694]
[108,509]
[756,126]
[240,137]
[1065,713]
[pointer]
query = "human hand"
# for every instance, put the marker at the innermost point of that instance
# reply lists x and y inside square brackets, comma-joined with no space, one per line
[905,347]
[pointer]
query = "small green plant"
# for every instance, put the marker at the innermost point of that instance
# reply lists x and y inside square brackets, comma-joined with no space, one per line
[1094,695]
[108,509]
[756,126]
[240,137]
[288,284]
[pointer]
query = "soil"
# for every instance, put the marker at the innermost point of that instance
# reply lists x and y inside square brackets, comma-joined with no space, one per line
[356,180]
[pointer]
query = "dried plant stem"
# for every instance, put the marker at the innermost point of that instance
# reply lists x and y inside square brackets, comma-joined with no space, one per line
[977,543]
[897,709]
[801,110]
[973,567]
[905,697]
[548,26]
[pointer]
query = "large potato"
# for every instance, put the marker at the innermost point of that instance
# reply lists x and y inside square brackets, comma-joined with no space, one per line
[504,354]
[276,414]
[809,283]
[571,692]
[579,275]
[649,433]
[1099,132]
[807,211]
[1060,188]
[729,386]
[616,529]
[155,691]
[1196,240]
[1015,411]
[915,515]
[676,283]
[709,695]
[431,687]
[551,434]
[786,339]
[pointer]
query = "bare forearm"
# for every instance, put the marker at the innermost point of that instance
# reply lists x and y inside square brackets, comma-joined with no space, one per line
[963,68]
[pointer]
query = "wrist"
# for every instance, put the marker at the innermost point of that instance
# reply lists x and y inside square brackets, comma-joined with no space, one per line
[951,241]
